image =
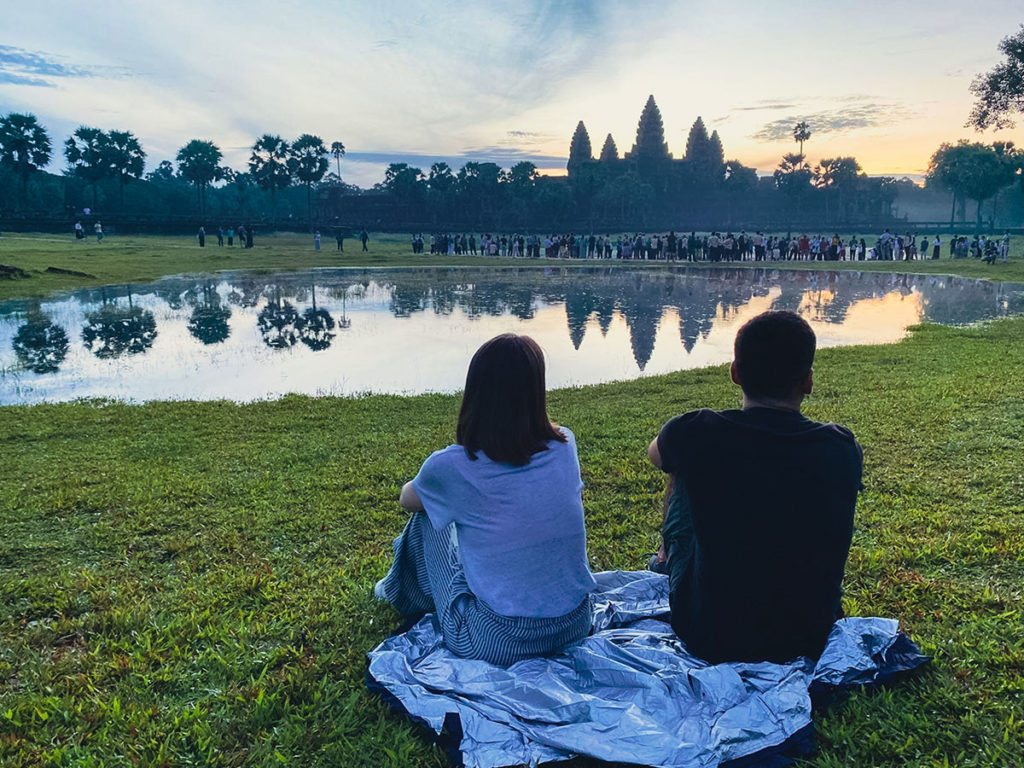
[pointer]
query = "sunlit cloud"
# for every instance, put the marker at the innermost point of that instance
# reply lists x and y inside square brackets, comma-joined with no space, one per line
[840,120]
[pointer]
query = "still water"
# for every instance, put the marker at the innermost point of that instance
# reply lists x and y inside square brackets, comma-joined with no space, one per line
[242,336]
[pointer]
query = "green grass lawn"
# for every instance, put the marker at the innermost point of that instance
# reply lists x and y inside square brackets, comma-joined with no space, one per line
[143,258]
[189,583]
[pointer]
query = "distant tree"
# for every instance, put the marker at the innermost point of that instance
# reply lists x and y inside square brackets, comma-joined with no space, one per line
[947,168]
[163,172]
[974,171]
[801,133]
[441,178]
[1000,91]
[307,161]
[522,175]
[609,152]
[580,150]
[86,153]
[838,176]
[199,164]
[738,177]
[441,183]
[405,183]
[268,164]
[338,152]
[793,177]
[126,158]
[739,181]
[24,147]
[480,187]
[990,169]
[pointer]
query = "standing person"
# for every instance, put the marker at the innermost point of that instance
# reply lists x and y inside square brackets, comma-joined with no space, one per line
[496,545]
[316,240]
[936,246]
[201,234]
[363,237]
[220,236]
[243,237]
[231,237]
[1004,246]
[97,228]
[249,236]
[756,567]
[339,236]
[79,231]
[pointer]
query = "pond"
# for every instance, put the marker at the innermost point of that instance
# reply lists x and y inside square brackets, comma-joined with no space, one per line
[244,336]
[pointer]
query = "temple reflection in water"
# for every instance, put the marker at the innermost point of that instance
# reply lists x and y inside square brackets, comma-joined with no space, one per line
[244,336]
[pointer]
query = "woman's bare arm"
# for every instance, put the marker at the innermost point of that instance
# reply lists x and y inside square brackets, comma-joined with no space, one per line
[409,499]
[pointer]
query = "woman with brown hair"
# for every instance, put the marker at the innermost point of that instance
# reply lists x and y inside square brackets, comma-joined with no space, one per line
[496,545]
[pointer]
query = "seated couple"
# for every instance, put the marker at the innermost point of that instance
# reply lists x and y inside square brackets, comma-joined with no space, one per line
[758,514]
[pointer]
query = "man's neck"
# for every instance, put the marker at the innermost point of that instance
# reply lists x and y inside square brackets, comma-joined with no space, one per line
[792,404]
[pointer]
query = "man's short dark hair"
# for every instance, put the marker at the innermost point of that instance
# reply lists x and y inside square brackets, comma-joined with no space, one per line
[774,352]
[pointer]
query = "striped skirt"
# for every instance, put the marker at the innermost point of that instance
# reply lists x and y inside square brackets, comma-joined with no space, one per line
[427,576]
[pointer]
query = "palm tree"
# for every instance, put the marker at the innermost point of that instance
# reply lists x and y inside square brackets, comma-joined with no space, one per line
[125,158]
[338,151]
[308,163]
[199,163]
[801,133]
[268,164]
[24,147]
[86,153]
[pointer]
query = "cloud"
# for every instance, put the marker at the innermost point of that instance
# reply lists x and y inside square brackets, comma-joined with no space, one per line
[766,104]
[15,79]
[19,66]
[845,119]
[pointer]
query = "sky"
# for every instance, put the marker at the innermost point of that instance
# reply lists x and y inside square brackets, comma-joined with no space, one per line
[420,81]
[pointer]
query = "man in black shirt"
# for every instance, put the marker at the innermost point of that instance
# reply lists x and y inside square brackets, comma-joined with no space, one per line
[759,508]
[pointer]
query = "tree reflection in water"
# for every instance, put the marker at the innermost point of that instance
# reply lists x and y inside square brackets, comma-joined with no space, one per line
[112,331]
[316,326]
[279,323]
[40,345]
[209,320]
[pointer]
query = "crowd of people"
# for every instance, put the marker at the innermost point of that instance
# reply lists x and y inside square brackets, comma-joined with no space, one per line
[714,246]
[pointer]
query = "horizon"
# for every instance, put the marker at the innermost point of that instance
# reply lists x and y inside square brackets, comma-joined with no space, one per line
[422,83]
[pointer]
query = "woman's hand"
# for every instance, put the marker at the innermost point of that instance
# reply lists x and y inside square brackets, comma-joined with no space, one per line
[409,499]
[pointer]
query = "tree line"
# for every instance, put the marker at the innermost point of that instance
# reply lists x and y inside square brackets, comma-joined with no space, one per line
[97,158]
[645,187]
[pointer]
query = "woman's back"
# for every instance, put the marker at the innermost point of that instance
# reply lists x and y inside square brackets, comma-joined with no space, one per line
[520,529]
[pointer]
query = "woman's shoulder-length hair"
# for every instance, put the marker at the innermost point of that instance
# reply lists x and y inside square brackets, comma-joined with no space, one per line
[504,407]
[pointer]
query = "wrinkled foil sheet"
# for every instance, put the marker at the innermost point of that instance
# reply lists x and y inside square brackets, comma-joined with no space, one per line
[629,692]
